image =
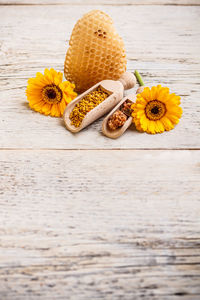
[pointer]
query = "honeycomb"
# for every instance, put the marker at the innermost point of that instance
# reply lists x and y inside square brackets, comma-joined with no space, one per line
[96,51]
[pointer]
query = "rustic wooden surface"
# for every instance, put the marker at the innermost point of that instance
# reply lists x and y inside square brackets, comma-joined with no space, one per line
[83,216]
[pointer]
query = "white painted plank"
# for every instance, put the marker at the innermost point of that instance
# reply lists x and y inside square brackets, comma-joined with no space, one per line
[102,2]
[98,224]
[34,37]
[73,226]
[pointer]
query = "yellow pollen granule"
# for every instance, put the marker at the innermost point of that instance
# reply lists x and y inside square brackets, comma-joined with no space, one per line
[86,104]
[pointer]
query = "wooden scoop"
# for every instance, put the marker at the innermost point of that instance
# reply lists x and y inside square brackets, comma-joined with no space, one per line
[114,134]
[115,89]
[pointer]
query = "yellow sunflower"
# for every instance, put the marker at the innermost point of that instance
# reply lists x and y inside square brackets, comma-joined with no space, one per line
[47,93]
[156,110]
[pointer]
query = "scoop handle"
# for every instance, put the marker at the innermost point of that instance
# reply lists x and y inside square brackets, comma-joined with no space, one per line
[128,80]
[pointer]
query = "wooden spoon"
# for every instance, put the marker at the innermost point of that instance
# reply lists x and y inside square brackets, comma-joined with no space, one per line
[114,134]
[115,89]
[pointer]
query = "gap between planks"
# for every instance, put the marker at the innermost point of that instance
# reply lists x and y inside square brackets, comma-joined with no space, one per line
[103,2]
[99,149]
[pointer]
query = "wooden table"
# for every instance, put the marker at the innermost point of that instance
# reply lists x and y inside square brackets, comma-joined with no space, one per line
[83,216]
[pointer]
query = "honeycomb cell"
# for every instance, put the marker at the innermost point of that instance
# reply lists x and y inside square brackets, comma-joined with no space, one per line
[95,51]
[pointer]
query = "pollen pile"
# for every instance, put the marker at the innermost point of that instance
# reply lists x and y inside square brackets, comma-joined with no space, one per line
[86,104]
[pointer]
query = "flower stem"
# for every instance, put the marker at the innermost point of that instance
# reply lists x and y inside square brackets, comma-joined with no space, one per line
[139,78]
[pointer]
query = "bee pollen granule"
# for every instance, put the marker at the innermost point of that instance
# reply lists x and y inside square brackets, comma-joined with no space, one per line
[86,104]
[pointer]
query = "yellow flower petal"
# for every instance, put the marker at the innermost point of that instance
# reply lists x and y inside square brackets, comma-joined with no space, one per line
[151,127]
[144,122]
[160,126]
[167,123]
[62,107]
[47,93]
[53,110]
[174,119]
[153,93]
[137,125]
[175,99]
[46,108]
[37,106]
[146,94]
[140,113]
[156,110]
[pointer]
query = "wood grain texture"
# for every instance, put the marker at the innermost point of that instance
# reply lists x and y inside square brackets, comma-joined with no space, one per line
[73,227]
[169,56]
[102,2]
[101,223]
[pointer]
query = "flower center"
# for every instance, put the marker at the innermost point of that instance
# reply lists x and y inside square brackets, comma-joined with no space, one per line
[155,110]
[52,94]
